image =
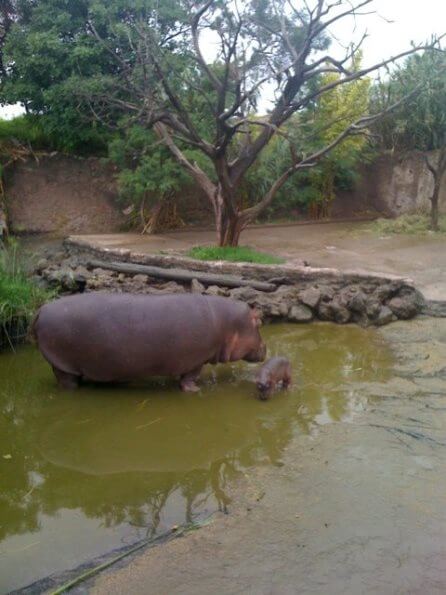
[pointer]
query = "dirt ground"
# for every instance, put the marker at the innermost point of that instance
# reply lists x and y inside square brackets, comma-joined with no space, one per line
[339,245]
[357,508]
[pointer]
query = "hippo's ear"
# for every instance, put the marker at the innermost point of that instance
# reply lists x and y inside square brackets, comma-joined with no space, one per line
[255,316]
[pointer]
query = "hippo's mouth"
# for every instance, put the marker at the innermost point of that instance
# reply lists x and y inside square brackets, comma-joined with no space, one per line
[257,355]
[264,390]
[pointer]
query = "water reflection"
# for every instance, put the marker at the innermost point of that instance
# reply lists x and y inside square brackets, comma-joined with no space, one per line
[151,456]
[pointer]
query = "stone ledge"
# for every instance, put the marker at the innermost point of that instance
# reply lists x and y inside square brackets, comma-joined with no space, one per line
[283,273]
[296,293]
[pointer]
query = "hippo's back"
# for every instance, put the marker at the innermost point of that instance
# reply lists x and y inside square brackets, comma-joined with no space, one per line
[111,337]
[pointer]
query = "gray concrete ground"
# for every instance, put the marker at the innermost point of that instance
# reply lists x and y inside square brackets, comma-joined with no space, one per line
[338,245]
[358,508]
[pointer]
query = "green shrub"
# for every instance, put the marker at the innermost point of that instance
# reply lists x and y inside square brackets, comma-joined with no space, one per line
[25,130]
[232,254]
[417,223]
[48,133]
[19,297]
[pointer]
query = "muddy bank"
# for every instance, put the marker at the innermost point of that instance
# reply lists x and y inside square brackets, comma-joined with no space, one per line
[353,508]
[288,293]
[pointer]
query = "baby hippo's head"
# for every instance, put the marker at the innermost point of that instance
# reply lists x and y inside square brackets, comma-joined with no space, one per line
[264,383]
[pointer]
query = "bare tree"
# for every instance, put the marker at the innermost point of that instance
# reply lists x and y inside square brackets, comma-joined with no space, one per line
[280,47]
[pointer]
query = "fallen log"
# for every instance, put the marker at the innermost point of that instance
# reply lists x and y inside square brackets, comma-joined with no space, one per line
[181,275]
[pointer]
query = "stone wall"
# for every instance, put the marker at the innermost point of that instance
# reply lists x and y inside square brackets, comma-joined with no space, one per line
[64,194]
[61,194]
[295,293]
[398,184]
[67,195]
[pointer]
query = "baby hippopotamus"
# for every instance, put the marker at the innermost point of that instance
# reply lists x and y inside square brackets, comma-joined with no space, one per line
[276,370]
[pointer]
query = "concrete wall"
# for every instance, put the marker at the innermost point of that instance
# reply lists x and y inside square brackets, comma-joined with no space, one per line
[398,184]
[62,194]
[66,195]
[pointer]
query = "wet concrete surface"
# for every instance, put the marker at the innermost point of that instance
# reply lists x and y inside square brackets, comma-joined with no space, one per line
[339,245]
[353,508]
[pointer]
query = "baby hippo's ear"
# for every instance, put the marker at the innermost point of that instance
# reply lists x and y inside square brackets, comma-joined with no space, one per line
[256,317]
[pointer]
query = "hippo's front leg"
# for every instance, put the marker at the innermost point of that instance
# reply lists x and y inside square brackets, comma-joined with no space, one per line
[66,380]
[188,381]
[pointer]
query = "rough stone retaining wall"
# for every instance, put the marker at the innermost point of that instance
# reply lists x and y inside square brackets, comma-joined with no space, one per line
[64,194]
[399,183]
[300,294]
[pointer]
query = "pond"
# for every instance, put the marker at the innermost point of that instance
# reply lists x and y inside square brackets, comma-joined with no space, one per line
[86,472]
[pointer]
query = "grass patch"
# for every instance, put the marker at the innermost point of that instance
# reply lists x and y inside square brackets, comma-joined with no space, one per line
[231,254]
[407,224]
[19,296]
[26,130]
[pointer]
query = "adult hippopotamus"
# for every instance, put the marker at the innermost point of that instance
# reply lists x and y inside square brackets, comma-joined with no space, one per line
[118,337]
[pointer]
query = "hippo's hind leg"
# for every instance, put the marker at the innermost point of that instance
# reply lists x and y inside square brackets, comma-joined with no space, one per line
[66,380]
[188,382]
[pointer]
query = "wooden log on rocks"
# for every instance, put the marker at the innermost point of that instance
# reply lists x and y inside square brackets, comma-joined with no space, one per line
[182,275]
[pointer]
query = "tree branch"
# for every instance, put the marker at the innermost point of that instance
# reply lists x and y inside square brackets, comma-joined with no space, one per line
[194,170]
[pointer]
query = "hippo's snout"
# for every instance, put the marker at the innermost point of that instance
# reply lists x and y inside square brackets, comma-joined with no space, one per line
[264,390]
[257,355]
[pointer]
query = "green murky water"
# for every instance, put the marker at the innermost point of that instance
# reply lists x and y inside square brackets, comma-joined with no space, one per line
[86,472]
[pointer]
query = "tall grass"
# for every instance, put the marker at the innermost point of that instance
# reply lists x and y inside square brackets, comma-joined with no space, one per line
[19,296]
[26,130]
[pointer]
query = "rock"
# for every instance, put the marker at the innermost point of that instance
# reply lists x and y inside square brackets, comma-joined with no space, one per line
[62,279]
[93,283]
[196,286]
[58,256]
[384,317]
[121,278]
[310,297]
[245,294]
[327,293]
[280,281]
[283,310]
[216,290]
[334,311]
[300,313]
[140,279]
[373,307]
[81,270]
[270,306]
[386,291]
[357,302]
[42,263]
[405,306]
[290,293]
[172,287]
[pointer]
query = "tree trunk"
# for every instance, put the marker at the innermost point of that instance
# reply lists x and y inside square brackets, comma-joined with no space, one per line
[437,172]
[3,214]
[231,231]
[229,227]
[150,225]
[434,207]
